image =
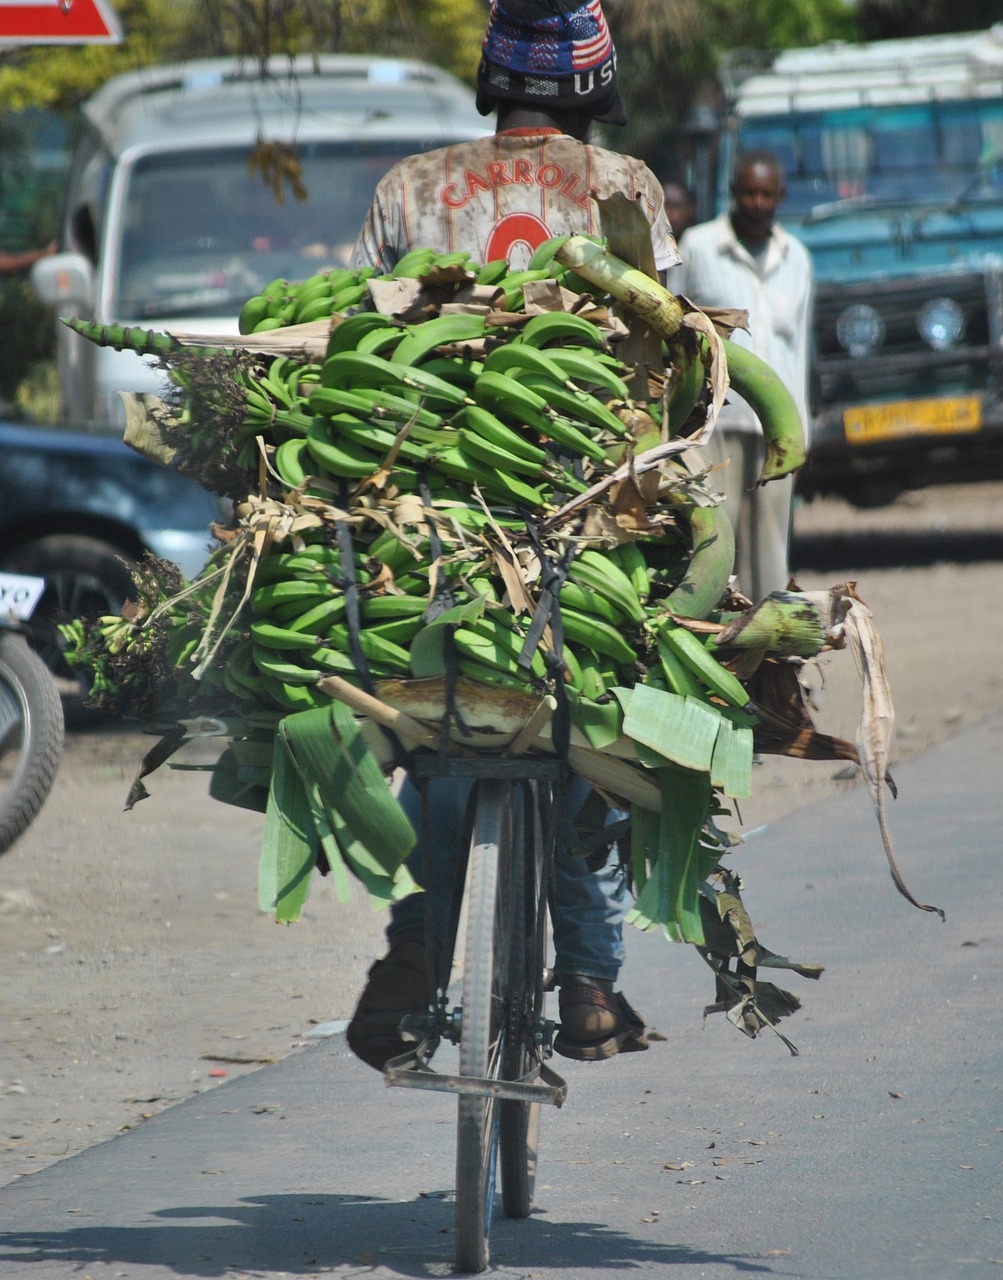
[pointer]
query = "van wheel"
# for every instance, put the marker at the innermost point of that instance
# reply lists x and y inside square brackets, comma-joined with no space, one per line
[84,578]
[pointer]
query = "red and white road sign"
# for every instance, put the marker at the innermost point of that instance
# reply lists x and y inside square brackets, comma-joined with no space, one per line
[58,22]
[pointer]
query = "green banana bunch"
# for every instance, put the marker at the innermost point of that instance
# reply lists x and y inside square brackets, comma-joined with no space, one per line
[282,302]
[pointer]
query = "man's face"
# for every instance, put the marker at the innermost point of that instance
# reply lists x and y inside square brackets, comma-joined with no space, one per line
[678,207]
[757,191]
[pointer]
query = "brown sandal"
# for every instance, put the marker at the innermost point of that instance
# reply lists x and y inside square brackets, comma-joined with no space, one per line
[596,1024]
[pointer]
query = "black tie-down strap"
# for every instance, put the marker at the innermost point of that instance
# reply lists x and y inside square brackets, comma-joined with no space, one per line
[548,611]
[442,599]
[353,613]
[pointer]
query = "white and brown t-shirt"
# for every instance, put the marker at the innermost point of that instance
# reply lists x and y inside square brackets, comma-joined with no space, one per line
[502,196]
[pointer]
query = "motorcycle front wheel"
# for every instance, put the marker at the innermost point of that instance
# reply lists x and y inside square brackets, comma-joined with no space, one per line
[31,736]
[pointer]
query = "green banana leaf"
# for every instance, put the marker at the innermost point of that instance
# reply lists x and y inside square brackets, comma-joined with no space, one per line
[681,729]
[329,792]
[600,722]
[731,765]
[289,843]
[670,898]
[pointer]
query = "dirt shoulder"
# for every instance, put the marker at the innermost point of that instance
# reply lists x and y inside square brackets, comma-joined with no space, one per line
[138,967]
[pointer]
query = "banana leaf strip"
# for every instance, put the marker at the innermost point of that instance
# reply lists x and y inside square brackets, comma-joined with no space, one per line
[670,898]
[731,766]
[683,730]
[329,792]
[600,722]
[289,842]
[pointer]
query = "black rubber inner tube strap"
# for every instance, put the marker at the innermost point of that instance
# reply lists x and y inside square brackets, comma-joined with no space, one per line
[548,610]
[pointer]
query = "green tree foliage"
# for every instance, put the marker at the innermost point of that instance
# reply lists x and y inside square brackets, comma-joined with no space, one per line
[884,19]
[670,54]
[447,32]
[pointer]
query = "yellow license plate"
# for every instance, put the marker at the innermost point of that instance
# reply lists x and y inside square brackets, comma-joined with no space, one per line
[956,415]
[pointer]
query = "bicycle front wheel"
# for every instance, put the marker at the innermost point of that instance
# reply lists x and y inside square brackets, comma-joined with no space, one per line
[484,1023]
[519,1122]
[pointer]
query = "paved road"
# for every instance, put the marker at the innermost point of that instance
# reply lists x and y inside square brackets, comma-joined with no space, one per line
[878,1152]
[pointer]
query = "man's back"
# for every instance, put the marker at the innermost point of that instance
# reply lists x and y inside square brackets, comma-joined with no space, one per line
[502,196]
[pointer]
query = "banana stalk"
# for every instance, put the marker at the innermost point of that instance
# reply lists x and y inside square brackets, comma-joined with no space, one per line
[644,296]
[786,624]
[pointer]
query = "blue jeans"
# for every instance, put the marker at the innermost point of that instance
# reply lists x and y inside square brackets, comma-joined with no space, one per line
[587,908]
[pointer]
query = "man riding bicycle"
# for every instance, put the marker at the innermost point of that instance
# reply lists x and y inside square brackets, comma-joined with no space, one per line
[548,70]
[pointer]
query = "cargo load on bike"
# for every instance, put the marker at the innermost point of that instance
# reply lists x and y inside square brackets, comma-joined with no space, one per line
[471,521]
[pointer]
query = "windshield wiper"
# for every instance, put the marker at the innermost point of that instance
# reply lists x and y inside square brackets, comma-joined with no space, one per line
[833,208]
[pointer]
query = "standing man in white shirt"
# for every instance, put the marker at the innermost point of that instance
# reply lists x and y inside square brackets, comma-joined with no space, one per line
[745,259]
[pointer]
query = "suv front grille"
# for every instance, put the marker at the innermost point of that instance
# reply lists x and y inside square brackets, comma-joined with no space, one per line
[903,364]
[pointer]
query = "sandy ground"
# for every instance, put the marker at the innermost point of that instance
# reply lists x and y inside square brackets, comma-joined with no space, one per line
[138,969]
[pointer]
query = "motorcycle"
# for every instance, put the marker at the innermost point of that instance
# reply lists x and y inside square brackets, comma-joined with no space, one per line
[31,713]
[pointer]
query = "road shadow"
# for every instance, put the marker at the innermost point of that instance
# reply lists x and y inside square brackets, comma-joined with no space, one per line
[303,1234]
[891,549]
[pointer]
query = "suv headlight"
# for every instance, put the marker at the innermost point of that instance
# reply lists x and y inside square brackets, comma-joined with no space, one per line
[940,323]
[859,329]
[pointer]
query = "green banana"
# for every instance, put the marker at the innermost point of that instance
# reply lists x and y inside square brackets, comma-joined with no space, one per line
[252,313]
[631,560]
[576,405]
[458,370]
[602,638]
[398,630]
[316,309]
[415,263]
[270,664]
[711,563]
[380,340]
[522,358]
[348,370]
[509,643]
[585,600]
[492,272]
[686,385]
[459,465]
[693,653]
[269,636]
[319,618]
[391,607]
[337,456]
[586,367]
[350,296]
[492,455]
[373,646]
[293,697]
[559,326]
[774,406]
[484,674]
[543,256]
[346,335]
[265,599]
[421,339]
[602,574]
[679,677]
[475,418]
[292,457]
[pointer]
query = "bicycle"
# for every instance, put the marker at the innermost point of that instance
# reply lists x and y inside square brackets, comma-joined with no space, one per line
[503,1036]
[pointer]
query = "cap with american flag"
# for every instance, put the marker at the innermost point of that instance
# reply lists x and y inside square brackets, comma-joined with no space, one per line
[550,52]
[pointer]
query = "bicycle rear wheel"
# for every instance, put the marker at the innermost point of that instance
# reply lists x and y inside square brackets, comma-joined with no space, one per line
[484,1028]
